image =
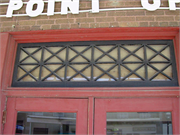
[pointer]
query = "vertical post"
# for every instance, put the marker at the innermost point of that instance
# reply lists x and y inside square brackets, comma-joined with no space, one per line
[90,115]
[175,116]
[10,125]
[4,39]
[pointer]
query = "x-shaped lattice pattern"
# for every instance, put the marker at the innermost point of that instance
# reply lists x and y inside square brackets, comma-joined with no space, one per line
[93,56]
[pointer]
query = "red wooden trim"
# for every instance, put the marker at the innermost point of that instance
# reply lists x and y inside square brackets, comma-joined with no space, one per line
[10,60]
[91,116]
[176,116]
[10,125]
[94,37]
[96,34]
[2,107]
[177,53]
[78,106]
[86,92]
[88,34]
[58,105]
[82,114]
[3,47]
[102,106]
[130,105]
[4,37]
[99,30]
[85,35]
[100,117]
[95,88]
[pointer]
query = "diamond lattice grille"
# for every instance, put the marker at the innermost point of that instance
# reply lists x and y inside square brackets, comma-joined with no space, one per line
[95,62]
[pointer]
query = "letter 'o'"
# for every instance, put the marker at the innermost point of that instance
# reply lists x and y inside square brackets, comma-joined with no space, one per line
[151,7]
[38,11]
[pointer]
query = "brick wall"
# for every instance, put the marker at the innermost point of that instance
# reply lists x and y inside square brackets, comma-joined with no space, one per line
[132,18]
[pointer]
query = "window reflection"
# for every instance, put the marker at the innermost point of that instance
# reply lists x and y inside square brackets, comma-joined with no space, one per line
[139,123]
[45,123]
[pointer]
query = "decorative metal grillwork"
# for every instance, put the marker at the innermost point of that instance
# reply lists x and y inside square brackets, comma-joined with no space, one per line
[95,64]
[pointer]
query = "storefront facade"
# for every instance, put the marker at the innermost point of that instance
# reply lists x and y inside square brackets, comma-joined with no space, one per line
[111,72]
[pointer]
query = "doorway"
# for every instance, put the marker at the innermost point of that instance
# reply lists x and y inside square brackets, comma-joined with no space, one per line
[122,116]
[46,116]
[136,116]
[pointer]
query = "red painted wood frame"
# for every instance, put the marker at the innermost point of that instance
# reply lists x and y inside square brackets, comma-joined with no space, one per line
[78,106]
[102,106]
[10,40]
[146,33]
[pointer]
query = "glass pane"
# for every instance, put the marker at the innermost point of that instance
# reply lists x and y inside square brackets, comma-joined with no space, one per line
[23,74]
[74,74]
[137,51]
[111,50]
[131,58]
[155,49]
[79,54]
[85,73]
[166,52]
[139,123]
[54,54]
[97,53]
[45,123]
[167,70]
[138,68]
[99,72]
[30,55]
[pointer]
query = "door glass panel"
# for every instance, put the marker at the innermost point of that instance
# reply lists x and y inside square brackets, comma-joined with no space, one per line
[45,123]
[139,123]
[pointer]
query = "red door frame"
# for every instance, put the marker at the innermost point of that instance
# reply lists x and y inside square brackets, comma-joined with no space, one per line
[78,106]
[8,52]
[140,33]
[102,106]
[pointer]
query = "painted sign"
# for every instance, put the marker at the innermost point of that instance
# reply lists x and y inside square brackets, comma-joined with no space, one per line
[73,6]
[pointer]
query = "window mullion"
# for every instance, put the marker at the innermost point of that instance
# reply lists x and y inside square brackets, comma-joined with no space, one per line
[92,61]
[41,63]
[145,63]
[66,63]
[119,62]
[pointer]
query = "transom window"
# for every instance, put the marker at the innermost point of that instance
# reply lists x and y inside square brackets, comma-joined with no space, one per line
[95,64]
